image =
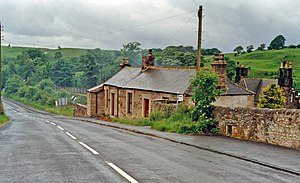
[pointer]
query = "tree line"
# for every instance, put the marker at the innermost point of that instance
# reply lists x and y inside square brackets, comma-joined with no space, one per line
[276,44]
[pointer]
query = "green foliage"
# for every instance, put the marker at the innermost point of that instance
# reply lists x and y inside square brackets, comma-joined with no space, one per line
[132,51]
[296,85]
[238,49]
[272,97]
[277,43]
[268,61]
[3,119]
[230,68]
[179,121]
[262,47]
[210,51]
[250,48]
[205,92]
[45,83]
[13,84]
[176,56]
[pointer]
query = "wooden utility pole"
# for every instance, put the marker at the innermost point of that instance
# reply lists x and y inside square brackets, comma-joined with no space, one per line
[199,37]
[1,28]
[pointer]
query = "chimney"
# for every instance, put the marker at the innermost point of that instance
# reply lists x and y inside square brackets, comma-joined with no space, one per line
[125,62]
[286,75]
[148,60]
[220,68]
[241,72]
[122,65]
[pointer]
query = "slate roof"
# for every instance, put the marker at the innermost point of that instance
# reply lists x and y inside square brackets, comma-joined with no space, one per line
[256,85]
[234,89]
[160,79]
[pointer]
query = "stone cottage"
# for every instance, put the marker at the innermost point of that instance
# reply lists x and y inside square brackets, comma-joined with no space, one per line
[133,91]
[256,85]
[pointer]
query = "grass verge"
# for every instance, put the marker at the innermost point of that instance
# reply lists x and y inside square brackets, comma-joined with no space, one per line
[64,110]
[3,119]
[179,121]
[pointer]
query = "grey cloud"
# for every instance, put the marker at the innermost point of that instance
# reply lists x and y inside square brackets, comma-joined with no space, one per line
[92,23]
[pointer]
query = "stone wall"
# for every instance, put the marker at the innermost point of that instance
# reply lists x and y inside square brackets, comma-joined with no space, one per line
[235,101]
[80,110]
[279,127]
[120,104]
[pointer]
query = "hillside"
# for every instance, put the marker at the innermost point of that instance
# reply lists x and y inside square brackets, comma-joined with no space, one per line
[265,64]
[13,52]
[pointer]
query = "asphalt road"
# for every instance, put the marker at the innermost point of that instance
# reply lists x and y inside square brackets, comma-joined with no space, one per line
[39,147]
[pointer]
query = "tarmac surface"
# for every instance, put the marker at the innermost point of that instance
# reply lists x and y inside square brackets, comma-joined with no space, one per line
[40,147]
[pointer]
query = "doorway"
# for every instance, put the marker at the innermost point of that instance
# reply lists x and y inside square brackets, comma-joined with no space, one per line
[146,107]
[112,104]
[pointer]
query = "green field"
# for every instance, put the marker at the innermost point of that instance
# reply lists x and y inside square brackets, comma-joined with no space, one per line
[13,52]
[264,64]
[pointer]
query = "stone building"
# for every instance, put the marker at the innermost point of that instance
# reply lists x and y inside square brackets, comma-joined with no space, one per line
[134,91]
[233,95]
[256,85]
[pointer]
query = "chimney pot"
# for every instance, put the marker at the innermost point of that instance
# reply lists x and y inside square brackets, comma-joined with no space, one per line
[217,58]
[222,57]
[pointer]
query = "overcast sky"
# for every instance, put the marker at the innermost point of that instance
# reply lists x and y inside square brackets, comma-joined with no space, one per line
[108,24]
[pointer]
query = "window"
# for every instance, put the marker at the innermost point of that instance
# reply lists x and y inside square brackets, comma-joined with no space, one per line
[129,103]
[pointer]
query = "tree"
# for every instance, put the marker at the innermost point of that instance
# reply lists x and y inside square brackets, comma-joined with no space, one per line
[210,51]
[61,71]
[277,43]
[230,68]
[13,84]
[205,92]
[272,97]
[238,49]
[250,48]
[171,56]
[262,47]
[132,51]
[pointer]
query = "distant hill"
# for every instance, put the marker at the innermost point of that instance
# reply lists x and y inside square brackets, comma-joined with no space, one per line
[13,52]
[265,64]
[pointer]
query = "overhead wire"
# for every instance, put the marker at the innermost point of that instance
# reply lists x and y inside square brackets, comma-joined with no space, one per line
[179,29]
[121,30]
[131,27]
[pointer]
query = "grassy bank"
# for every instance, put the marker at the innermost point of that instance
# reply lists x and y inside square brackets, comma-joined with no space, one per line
[179,121]
[3,120]
[66,110]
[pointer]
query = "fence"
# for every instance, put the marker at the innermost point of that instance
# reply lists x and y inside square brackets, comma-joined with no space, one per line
[72,89]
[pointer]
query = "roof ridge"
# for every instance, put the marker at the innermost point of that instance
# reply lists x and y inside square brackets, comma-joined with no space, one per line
[241,87]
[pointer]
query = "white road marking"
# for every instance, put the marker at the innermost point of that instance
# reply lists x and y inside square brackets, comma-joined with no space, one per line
[52,123]
[71,135]
[47,121]
[60,128]
[121,172]
[89,148]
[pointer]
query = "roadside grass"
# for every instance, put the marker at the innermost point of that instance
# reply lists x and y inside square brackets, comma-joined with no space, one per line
[179,121]
[3,119]
[64,110]
[132,122]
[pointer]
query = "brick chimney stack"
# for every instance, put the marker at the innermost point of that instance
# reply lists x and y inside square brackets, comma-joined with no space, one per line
[125,62]
[241,72]
[220,68]
[148,60]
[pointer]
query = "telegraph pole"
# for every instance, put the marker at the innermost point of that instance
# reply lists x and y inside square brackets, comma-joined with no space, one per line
[1,29]
[199,37]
